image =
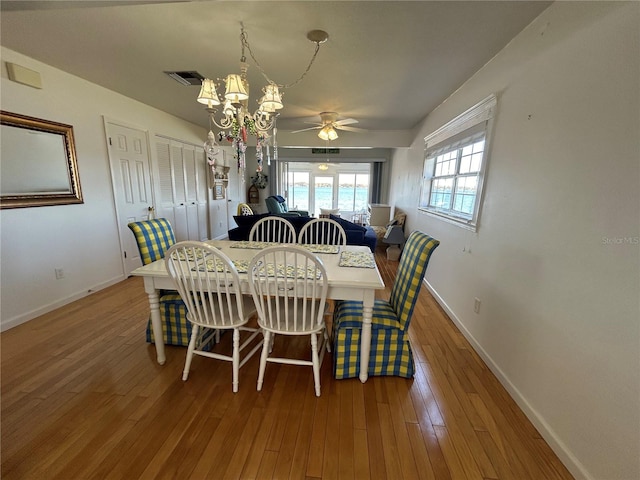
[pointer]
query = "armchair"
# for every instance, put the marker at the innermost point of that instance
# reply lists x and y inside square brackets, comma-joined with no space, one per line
[276,204]
[381,230]
[244,209]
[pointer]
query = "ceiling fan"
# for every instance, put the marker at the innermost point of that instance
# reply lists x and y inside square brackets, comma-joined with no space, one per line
[329,124]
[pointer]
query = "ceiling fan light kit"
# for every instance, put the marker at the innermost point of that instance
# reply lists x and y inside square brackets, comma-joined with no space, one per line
[236,121]
[328,125]
[328,133]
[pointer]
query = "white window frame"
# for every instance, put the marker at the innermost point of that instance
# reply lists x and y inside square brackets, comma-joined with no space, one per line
[472,124]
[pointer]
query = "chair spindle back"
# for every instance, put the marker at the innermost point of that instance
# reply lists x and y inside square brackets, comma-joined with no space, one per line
[322,231]
[208,283]
[289,287]
[273,229]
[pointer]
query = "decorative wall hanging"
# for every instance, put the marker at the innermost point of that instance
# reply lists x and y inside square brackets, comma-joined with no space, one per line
[260,180]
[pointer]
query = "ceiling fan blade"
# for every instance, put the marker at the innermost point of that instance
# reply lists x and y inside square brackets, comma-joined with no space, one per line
[306,129]
[350,129]
[346,121]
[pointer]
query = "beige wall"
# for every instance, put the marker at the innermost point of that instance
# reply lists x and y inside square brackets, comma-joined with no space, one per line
[81,239]
[556,258]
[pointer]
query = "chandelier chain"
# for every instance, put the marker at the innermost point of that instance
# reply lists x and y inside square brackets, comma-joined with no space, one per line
[245,44]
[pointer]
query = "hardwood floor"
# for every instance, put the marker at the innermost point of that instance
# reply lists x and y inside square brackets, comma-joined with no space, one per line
[82,397]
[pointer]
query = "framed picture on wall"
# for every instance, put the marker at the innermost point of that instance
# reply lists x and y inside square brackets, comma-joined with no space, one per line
[218,191]
[39,164]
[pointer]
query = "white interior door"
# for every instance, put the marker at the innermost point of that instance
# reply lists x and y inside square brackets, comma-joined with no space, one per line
[131,174]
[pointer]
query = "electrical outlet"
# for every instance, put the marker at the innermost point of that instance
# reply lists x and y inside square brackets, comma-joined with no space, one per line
[476,305]
[59,273]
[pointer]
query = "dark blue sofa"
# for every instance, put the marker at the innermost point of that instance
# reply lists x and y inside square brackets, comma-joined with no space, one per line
[356,234]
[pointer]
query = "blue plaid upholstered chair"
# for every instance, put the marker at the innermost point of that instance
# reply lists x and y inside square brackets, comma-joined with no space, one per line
[390,347]
[154,237]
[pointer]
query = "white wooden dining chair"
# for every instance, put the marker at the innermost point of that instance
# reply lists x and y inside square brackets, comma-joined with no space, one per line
[289,288]
[272,229]
[209,285]
[322,231]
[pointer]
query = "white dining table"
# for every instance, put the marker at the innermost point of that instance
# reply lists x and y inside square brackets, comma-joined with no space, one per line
[345,283]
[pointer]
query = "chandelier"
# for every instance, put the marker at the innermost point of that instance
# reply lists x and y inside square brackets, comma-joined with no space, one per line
[230,112]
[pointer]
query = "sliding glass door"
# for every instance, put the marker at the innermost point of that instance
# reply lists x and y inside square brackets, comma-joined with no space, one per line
[298,190]
[353,192]
[323,192]
[345,186]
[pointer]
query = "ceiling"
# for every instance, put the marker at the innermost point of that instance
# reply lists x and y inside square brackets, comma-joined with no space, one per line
[386,63]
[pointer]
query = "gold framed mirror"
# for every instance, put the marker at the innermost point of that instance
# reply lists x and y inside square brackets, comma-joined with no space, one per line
[38,163]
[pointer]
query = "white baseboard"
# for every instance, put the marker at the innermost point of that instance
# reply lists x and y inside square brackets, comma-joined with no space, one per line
[25,317]
[560,449]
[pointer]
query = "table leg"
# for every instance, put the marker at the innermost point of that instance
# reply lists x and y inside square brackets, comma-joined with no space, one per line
[156,319]
[365,337]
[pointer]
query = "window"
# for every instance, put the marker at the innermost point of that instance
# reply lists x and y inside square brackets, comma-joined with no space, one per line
[298,189]
[454,166]
[345,186]
[353,192]
[323,192]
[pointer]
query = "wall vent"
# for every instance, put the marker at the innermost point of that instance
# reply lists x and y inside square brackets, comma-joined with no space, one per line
[186,78]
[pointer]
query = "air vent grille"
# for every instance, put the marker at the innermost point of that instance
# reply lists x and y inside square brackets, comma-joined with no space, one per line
[186,78]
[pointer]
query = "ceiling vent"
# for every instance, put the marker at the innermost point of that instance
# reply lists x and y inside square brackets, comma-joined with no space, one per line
[186,78]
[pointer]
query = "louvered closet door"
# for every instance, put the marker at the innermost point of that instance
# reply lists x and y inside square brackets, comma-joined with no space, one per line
[202,190]
[192,203]
[165,180]
[179,185]
[183,187]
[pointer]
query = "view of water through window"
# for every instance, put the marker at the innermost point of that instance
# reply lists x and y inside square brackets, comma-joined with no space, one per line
[352,194]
